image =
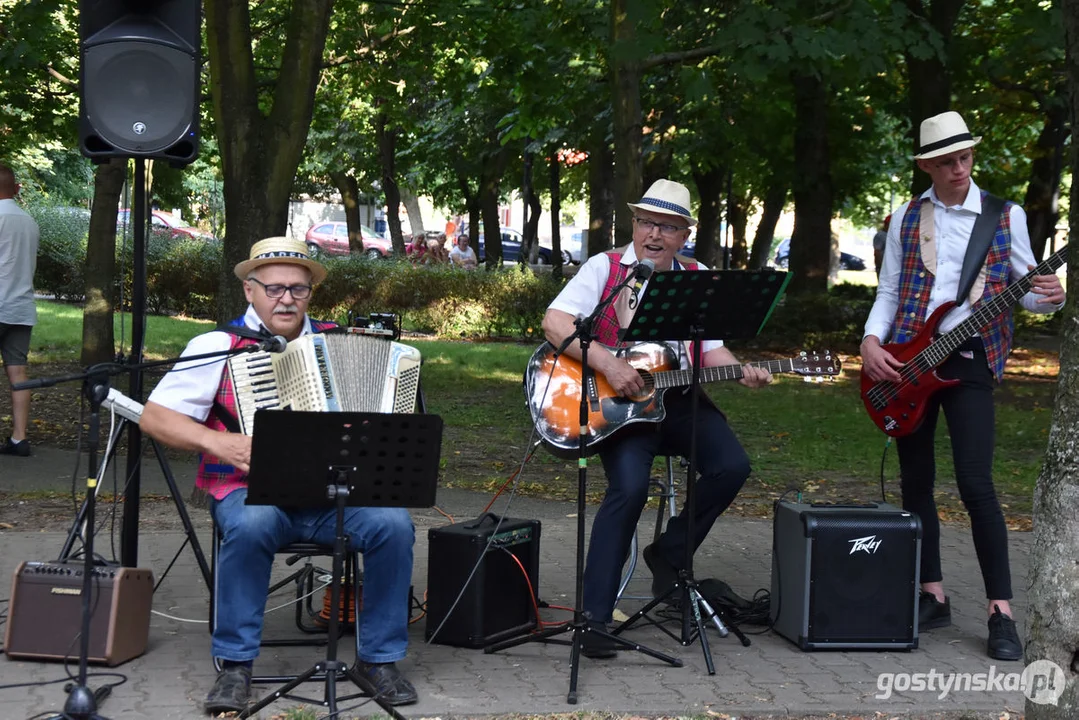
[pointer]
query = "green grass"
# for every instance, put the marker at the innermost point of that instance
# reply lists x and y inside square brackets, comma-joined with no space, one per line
[57,337]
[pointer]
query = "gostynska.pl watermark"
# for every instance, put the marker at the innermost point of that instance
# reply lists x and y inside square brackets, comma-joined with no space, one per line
[1042,682]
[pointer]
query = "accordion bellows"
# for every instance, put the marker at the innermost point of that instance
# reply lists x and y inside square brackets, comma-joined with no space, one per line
[325,372]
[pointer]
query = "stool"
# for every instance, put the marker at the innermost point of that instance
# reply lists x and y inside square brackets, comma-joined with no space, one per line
[665,491]
[304,580]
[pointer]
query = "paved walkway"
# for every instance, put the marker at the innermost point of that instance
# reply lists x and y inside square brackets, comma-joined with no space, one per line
[772,676]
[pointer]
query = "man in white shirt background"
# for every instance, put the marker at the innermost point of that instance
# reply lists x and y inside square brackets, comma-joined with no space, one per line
[19,236]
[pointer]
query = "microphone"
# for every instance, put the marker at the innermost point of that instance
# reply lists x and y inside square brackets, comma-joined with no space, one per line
[642,272]
[274,344]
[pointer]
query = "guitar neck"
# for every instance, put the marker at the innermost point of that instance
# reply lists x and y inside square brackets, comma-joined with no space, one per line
[946,344]
[678,378]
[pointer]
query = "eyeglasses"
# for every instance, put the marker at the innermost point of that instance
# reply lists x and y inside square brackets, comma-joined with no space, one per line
[298,292]
[665,229]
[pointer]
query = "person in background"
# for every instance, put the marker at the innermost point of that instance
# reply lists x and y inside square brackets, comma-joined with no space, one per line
[19,236]
[416,250]
[879,241]
[462,255]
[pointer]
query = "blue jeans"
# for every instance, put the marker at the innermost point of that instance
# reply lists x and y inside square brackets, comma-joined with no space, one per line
[251,534]
[627,460]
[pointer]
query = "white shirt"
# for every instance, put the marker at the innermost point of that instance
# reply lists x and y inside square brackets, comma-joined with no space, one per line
[191,386]
[458,256]
[19,236]
[583,293]
[953,225]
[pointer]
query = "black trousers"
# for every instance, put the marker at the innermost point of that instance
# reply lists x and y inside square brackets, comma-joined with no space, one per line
[969,412]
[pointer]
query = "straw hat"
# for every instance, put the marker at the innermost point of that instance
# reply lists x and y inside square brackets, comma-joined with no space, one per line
[667,197]
[943,134]
[280,250]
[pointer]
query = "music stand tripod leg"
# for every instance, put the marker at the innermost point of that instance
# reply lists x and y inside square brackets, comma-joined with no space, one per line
[338,490]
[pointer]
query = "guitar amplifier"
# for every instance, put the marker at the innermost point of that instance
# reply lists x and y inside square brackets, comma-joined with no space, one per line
[45,613]
[496,603]
[846,576]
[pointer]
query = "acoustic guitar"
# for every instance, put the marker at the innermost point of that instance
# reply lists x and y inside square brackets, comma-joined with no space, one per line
[553,390]
[899,408]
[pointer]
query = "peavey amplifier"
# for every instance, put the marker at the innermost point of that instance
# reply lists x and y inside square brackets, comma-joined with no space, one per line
[846,576]
[45,614]
[496,603]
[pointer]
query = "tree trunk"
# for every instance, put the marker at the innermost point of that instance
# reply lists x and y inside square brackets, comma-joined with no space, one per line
[555,188]
[1053,615]
[737,219]
[600,198]
[387,154]
[1043,190]
[626,105]
[260,151]
[350,197]
[490,182]
[472,208]
[532,228]
[710,188]
[812,237]
[412,209]
[98,340]
[774,200]
[930,83]
[530,241]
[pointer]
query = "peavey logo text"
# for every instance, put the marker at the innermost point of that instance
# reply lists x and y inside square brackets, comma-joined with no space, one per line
[65,591]
[867,544]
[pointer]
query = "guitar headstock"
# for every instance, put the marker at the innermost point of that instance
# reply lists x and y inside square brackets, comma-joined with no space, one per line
[816,366]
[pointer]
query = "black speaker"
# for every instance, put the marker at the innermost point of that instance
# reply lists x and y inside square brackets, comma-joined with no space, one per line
[497,602]
[846,577]
[139,79]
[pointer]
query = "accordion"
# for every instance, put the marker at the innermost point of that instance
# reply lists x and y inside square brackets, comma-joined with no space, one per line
[327,372]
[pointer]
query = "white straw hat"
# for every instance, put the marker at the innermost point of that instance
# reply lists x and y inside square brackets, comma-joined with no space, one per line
[667,197]
[943,134]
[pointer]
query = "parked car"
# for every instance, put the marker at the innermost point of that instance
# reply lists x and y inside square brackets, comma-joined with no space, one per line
[512,241]
[846,260]
[332,238]
[161,220]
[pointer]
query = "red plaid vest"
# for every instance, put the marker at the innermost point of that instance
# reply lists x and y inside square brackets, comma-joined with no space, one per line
[915,282]
[606,328]
[214,477]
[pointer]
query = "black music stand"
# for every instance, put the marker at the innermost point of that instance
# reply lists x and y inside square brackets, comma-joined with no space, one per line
[367,460]
[699,305]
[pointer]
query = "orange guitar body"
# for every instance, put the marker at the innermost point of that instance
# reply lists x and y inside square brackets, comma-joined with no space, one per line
[556,409]
[899,409]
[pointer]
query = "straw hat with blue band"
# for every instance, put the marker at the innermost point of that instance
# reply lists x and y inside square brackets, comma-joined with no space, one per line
[280,250]
[667,197]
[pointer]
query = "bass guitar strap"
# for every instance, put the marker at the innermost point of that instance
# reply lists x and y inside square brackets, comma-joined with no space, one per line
[981,237]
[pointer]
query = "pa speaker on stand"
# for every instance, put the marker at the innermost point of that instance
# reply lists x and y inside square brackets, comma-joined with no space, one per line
[139,79]
[846,576]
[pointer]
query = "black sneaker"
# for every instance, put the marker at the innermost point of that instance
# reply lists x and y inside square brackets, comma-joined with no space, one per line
[596,646]
[1004,641]
[21,448]
[933,613]
[230,692]
[390,684]
[664,575]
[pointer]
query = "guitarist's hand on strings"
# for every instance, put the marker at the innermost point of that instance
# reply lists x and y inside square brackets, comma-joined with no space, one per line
[1049,286]
[622,377]
[877,362]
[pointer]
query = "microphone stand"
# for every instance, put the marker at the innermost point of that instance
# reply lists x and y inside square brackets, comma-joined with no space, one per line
[579,625]
[81,702]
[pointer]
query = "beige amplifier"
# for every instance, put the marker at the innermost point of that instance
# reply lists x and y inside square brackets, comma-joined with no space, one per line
[45,612]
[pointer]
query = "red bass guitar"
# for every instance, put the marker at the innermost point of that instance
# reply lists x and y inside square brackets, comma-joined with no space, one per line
[899,408]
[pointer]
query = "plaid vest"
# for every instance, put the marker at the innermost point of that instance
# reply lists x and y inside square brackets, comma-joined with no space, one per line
[217,478]
[606,328]
[915,282]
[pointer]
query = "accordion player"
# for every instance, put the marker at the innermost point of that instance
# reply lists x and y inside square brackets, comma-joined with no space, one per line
[327,372]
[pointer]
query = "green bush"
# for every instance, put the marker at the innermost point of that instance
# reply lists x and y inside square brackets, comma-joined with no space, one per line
[62,251]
